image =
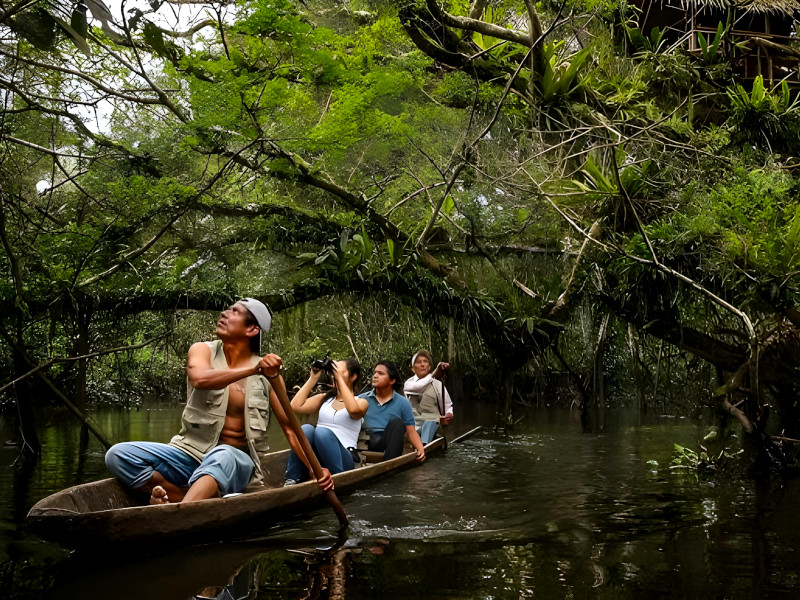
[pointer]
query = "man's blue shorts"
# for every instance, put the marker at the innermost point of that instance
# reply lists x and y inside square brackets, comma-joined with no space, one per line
[133,464]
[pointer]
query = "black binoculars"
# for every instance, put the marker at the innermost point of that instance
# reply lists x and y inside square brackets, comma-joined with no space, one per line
[324,364]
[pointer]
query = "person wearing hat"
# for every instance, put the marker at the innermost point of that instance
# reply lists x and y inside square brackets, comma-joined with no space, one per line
[425,391]
[224,424]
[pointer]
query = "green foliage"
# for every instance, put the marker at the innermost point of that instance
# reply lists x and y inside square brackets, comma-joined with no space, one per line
[354,253]
[299,156]
[372,110]
[671,74]
[710,48]
[766,119]
[654,42]
[755,217]
[560,78]
[458,90]
[702,463]
[275,17]
[738,232]
[299,358]
[636,179]
[625,97]
[687,459]
[607,7]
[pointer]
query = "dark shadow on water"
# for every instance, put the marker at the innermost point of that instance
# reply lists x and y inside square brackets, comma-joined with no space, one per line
[361,568]
[176,573]
[229,570]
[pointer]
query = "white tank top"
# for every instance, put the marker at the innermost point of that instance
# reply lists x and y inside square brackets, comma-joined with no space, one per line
[340,422]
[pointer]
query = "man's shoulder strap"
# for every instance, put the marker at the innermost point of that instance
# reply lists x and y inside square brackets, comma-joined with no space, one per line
[215,346]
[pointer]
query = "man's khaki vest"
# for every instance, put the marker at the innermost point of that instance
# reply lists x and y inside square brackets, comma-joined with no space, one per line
[204,415]
[426,405]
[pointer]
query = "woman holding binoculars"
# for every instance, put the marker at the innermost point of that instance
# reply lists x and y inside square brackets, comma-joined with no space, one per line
[339,420]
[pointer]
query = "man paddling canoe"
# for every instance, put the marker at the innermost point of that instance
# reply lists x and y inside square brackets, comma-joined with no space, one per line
[425,390]
[224,424]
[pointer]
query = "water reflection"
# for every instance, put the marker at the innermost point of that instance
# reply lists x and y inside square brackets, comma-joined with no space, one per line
[545,512]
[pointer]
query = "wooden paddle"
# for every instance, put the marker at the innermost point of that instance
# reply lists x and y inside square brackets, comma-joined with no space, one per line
[280,391]
[441,406]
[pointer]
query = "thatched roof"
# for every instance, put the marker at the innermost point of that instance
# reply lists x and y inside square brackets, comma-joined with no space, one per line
[786,7]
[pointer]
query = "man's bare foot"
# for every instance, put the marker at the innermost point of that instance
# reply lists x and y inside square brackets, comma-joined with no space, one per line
[159,496]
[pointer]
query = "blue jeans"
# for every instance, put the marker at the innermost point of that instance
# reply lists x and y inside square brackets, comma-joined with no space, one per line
[329,450]
[133,464]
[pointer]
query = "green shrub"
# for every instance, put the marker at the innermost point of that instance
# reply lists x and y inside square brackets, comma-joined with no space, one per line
[767,119]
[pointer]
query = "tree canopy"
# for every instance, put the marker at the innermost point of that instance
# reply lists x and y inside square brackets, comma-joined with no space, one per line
[557,184]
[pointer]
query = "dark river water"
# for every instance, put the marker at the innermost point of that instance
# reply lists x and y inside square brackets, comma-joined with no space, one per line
[543,512]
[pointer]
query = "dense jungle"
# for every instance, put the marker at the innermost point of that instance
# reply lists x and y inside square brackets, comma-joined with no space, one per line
[571,210]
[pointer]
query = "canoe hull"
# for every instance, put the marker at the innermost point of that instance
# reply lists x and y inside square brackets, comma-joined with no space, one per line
[103,512]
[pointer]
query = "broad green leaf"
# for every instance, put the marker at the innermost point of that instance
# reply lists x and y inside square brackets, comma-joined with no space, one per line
[77,39]
[447,205]
[367,242]
[78,21]
[390,246]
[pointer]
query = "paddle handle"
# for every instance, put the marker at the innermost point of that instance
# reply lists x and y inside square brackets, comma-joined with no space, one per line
[440,401]
[280,391]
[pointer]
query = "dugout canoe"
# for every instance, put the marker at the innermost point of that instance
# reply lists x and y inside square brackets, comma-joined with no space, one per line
[104,512]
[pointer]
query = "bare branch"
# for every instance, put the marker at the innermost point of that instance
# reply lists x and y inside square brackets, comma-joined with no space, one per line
[167,226]
[189,32]
[16,273]
[96,83]
[478,26]
[39,148]
[66,359]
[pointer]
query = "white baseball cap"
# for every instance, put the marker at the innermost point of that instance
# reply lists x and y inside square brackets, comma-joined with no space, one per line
[260,311]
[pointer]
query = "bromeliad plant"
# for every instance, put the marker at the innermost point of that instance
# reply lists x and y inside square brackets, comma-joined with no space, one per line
[560,78]
[634,178]
[769,119]
[710,48]
[655,42]
[601,185]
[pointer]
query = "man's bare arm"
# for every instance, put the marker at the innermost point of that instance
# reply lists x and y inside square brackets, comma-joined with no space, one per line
[203,377]
[416,441]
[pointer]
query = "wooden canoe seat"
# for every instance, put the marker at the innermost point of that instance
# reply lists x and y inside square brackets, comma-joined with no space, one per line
[367,456]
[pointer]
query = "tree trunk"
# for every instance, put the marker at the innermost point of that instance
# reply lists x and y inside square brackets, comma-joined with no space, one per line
[593,423]
[23,398]
[451,340]
[505,411]
[641,401]
[83,313]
